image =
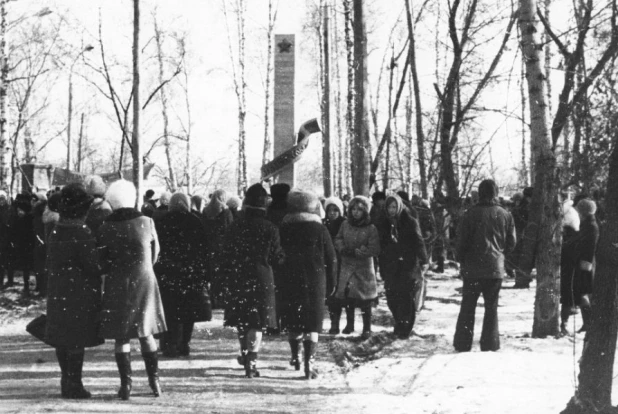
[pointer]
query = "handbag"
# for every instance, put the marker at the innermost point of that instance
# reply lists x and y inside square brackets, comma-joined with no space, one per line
[36,328]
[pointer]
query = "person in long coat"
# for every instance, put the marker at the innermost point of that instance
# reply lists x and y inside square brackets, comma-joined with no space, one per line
[486,234]
[5,212]
[40,247]
[568,263]
[251,248]
[584,252]
[132,306]
[333,221]
[309,270]
[216,219]
[74,289]
[181,273]
[358,243]
[21,240]
[402,254]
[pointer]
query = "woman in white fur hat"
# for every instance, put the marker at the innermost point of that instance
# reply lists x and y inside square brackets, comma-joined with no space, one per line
[132,306]
[308,273]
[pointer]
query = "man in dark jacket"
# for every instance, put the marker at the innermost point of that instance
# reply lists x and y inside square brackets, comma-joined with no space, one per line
[486,233]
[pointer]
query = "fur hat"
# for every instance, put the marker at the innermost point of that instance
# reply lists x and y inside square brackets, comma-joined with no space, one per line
[256,196]
[164,200]
[378,195]
[488,190]
[279,191]
[197,203]
[586,207]
[95,186]
[74,201]
[301,201]
[53,203]
[22,202]
[571,218]
[334,201]
[180,202]
[233,202]
[528,191]
[121,194]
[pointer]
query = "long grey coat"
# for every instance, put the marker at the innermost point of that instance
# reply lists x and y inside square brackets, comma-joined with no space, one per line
[357,277]
[132,306]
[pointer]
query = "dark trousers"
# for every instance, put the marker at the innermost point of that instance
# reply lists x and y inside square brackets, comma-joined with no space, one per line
[402,304]
[464,332]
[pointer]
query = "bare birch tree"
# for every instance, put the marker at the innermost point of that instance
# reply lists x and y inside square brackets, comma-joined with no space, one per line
[272,19]
[136,152]
[238,60]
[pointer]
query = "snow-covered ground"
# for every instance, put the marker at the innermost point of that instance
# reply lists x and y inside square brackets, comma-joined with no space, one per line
[379,375]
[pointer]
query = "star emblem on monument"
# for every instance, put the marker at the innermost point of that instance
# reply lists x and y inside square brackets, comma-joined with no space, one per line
[285,46]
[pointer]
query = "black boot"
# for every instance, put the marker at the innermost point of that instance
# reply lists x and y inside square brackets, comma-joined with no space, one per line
[151,361]
[335,316]
[586,313]
[185,338]
[295,348]
[310,349]
[251,365]
[366,314]
[123,360]
[349,315]
[75,387]
[63,361]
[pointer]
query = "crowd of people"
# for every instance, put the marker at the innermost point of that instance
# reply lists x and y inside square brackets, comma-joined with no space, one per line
[274,262]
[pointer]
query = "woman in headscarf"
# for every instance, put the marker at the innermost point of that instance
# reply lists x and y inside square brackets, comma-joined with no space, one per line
[74,289]
[216,218]
[308,272]
[333,221]
[357,243]
[251,248]
[181,273]
[402,251]
[132,306]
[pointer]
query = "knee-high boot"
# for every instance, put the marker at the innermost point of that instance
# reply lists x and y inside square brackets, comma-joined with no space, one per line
[63,361]
[335,316]
[586,314]
[366,314]
[251,365]
[123,360]
[151,361]
[75,387]
[295,348]
[310,349]
[349,314]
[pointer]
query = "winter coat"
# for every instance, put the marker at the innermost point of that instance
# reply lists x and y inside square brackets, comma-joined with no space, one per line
[427,223]
[160,212]
[250,250]
[215,228]
[97,213]
[132,306]
[50,218]
[181,271]
[333,226]
[74,286]
[486,232]
[275,214]
[21,241]
[357,277]
[38,256]
[401,250]
[309,271]
[585,247]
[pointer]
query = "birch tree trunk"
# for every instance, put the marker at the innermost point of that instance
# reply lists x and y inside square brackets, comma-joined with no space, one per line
[543,232]
[327,174]
[351,98]
[420,133]
[4,72]
[138,166]
[361,144]
[272,18]
[166,137]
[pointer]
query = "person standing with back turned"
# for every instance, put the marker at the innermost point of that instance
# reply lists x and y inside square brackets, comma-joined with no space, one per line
[486,233]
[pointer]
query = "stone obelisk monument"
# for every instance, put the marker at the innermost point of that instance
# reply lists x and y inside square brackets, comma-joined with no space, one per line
[285,137]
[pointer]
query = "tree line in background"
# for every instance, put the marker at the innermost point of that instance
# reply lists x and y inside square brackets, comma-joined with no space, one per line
[419,124]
